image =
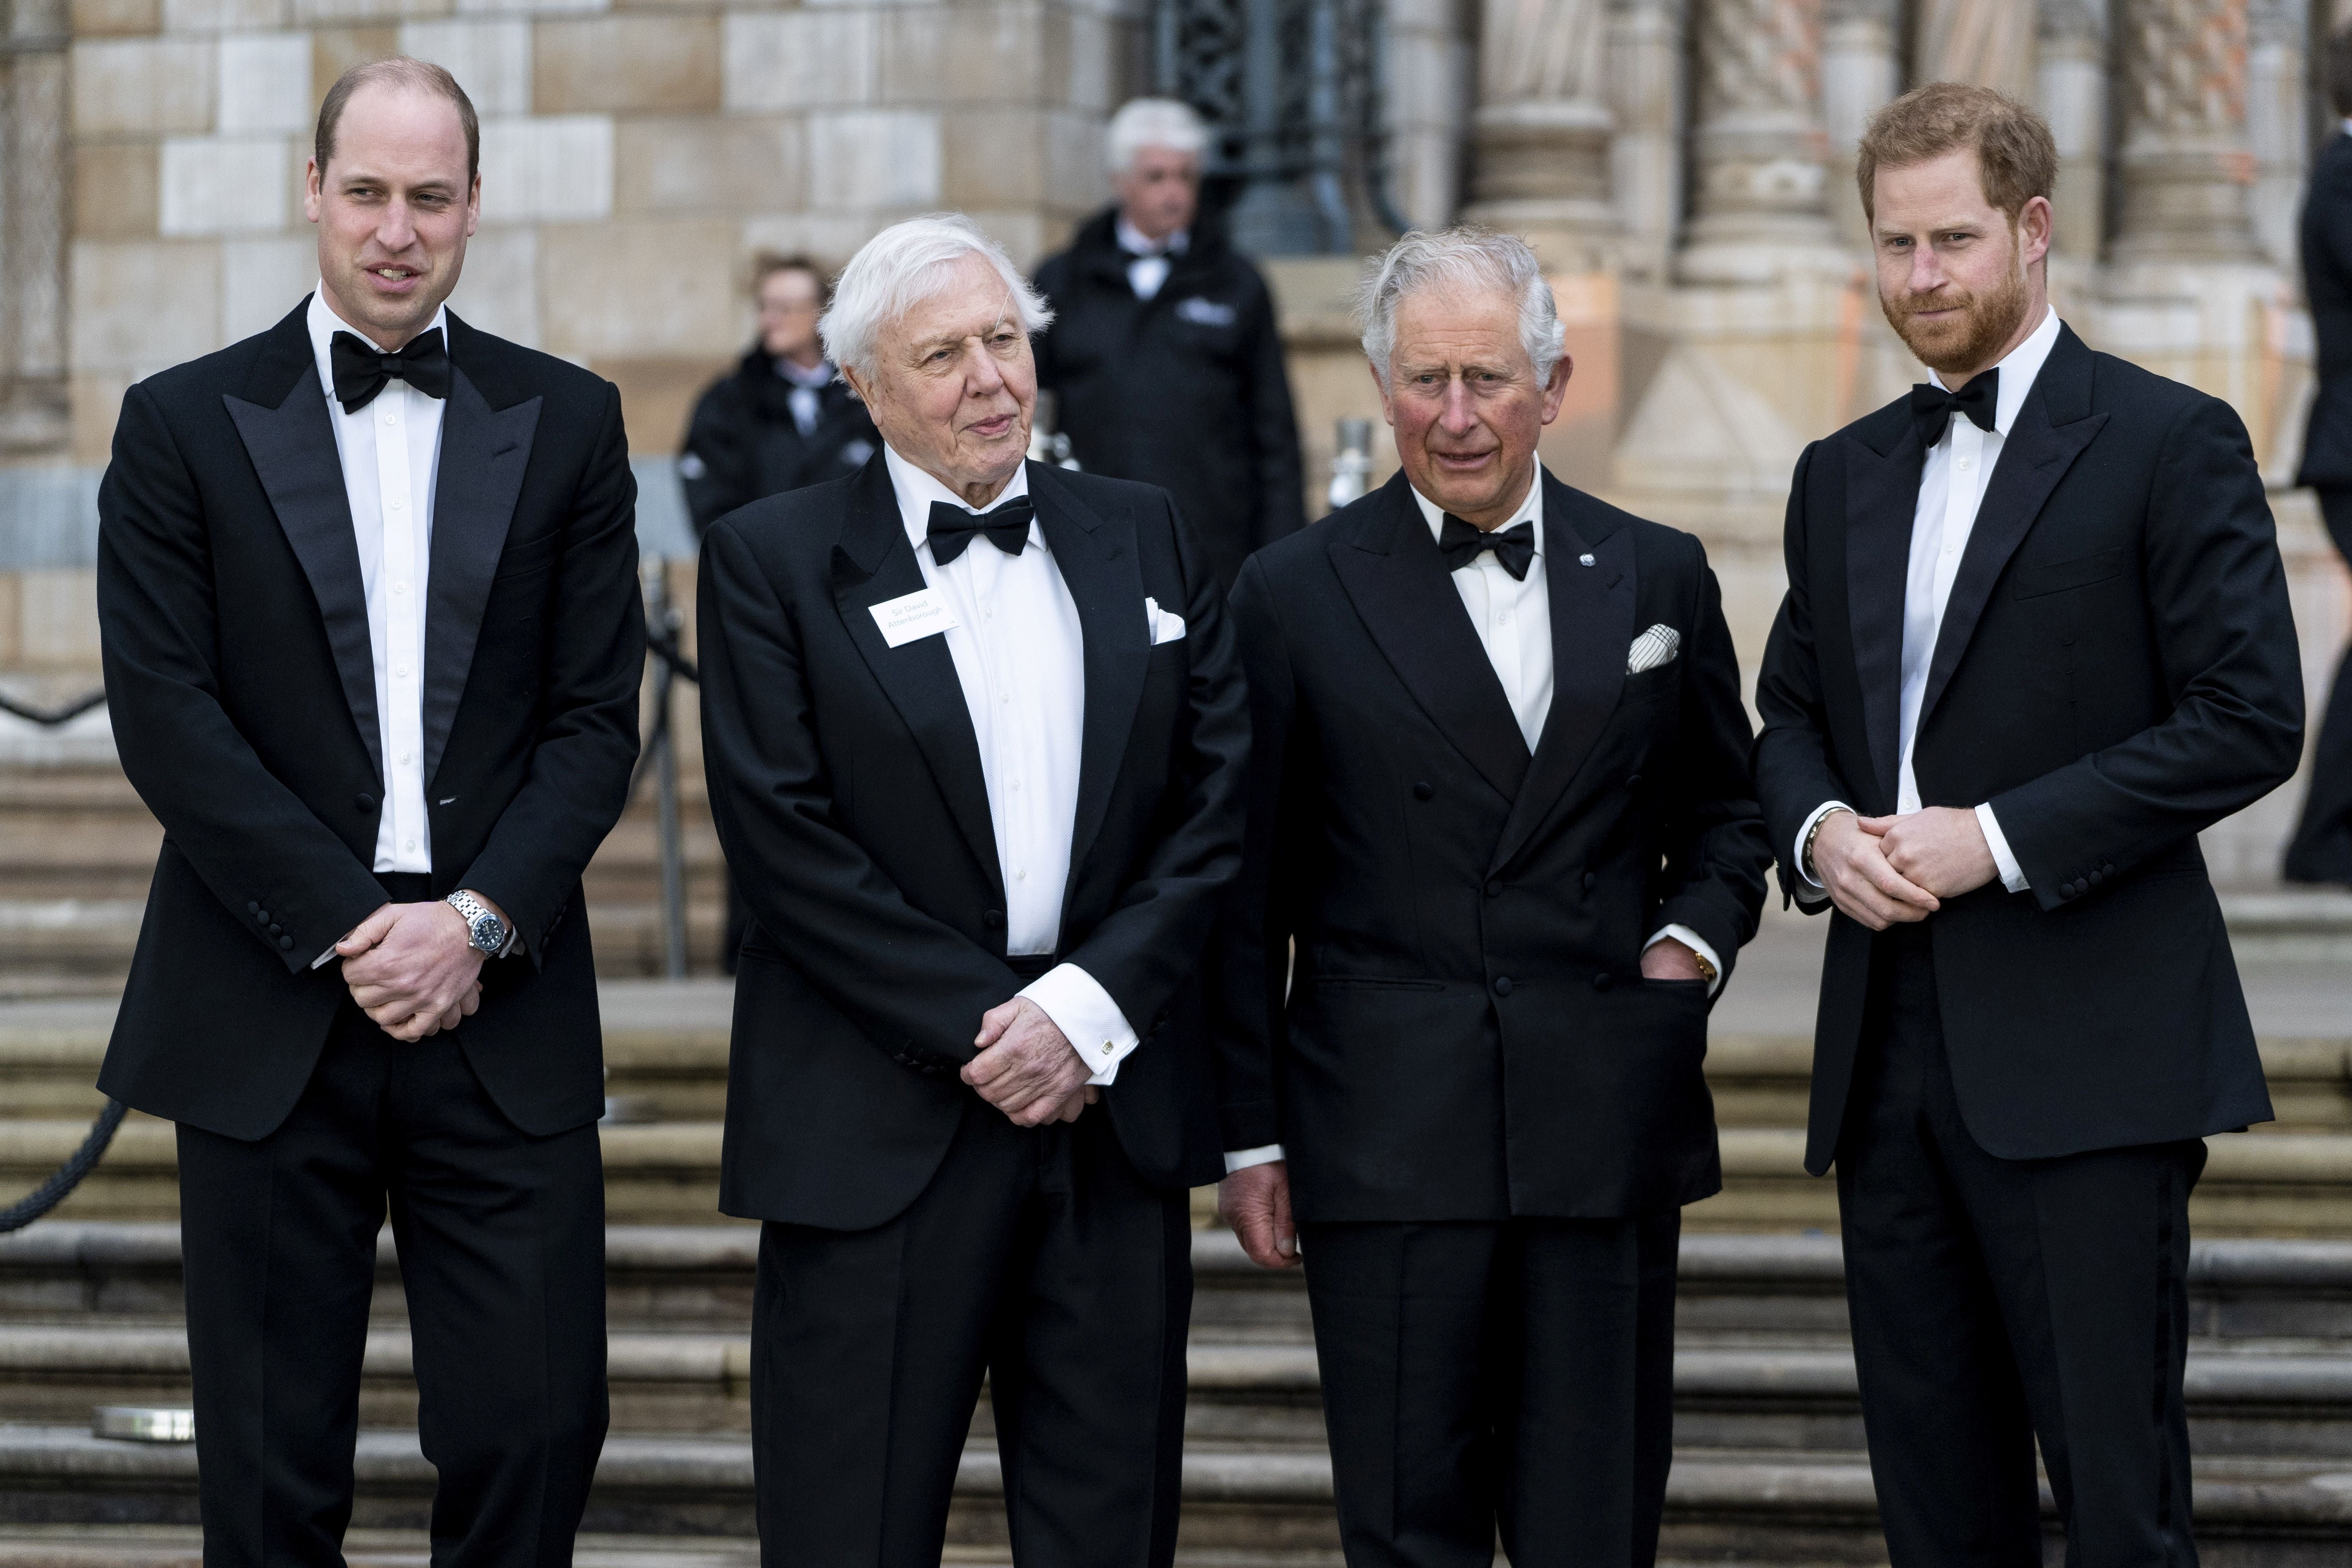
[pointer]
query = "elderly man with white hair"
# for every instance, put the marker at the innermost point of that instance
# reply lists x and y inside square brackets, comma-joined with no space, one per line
[1501,811]
[1164,356]
[976,736]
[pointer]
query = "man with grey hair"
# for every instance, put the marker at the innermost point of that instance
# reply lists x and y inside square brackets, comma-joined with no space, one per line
[1500,811]
[1164,356]
[975,735]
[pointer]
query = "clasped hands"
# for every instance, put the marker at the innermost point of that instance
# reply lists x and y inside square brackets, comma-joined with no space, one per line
[1891,871]
[413,968]
[1027,1068]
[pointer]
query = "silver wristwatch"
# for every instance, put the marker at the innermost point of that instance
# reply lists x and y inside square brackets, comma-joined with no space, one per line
[487,934]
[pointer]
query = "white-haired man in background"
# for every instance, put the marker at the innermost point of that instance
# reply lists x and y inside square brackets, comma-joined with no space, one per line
[1500,804]
[975,733]
[1164,354]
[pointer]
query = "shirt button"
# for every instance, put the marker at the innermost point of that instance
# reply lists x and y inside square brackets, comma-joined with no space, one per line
[1966,464]
[400,588]
[405,756]
[390,418]
[1504,619]
[411,846]
[1020,876]
[397,503]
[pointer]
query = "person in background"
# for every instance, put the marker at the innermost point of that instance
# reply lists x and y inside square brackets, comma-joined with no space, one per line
[783,418]
[1164,356]
[2321,849]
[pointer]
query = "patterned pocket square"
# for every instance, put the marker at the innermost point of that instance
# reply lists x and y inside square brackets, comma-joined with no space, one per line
[1656,646]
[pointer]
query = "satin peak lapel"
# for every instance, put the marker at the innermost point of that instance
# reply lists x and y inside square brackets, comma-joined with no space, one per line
[483,454]
[1399,585]
[293,449]
[1097,562]
[1882,496]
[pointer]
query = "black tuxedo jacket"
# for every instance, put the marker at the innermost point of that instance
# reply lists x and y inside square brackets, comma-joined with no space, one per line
[2327,287]
[240,677]
[846,784]
[1466,1033]
[2116,671]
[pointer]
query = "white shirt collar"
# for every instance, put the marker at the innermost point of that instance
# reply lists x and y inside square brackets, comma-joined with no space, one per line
[324,324]
[918,490]
[1530,510]
[1131,240]
[819,375]
[2018,372]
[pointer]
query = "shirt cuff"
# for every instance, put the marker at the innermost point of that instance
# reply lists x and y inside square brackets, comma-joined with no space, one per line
[1805,877]
[321,960]
[1087,1016]
[1242,1159]
[1696,943]
[2012,875]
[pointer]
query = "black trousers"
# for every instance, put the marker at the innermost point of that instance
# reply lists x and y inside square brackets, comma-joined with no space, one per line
[1515,1375]
[1036,1256]
[2321,849]
[1999,1301]
[501,1240]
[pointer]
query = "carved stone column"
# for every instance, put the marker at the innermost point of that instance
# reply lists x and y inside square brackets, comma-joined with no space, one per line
[1861,73]
[35,186]
[1541,133]
[1645,155]
[1987,42]
[2185,162]
[2277,125]
[1762,206]
[2072,93]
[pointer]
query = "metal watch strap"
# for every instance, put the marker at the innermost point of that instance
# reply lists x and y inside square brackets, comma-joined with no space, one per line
[1805,856]
[471,909]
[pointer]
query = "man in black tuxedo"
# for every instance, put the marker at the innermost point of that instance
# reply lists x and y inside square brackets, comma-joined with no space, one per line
[2321,849]
[367,587]
[975,733]
[1500,810]
[2036,637]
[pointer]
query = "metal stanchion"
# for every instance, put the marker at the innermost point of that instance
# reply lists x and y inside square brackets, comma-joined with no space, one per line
[1351,467]
[667,621]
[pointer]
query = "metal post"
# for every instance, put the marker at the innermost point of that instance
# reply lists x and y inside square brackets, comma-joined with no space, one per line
[1351,467]
[667,621]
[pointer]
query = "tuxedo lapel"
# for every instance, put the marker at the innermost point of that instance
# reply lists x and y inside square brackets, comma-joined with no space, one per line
[292,444]
[1882,494]
[484,453]
[2053,426]
[1591,631]
[1400,586]
[1097,562]
[872,564]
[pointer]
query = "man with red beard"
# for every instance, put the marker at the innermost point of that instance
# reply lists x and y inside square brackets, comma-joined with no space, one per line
[2036,637]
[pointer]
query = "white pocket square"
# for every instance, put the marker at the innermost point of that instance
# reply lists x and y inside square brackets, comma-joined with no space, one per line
[1165,627]
[1656,646]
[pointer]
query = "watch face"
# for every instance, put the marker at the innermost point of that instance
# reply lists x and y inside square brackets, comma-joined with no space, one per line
[489,933]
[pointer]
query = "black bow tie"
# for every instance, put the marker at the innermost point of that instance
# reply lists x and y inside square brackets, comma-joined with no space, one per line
[1513,547]
[361,368]
[952,529]
[1932,407]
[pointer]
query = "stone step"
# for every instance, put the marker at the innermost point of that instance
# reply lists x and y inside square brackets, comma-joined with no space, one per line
[181,1546]
[1722,1505]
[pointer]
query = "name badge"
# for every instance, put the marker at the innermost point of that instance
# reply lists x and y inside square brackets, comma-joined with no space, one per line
[922,614]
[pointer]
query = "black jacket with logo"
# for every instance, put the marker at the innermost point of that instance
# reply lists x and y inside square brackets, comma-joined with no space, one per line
[742,446]
[1185,389]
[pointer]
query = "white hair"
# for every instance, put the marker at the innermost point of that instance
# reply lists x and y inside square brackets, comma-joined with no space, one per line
[1464,258]
[900,267]
[1144,122]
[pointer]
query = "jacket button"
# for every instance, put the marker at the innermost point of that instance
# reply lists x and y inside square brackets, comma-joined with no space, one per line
[1423,792]
[1634,782]
[1602,981]
[276,930]
[363,802]
[285,942]
[1494,887]
[1502,985]
[251,907]
[993,919]
[1591,881]
[2094,879]
[261,915]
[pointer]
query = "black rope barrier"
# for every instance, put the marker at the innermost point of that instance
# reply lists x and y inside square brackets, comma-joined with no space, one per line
[67,1176]
[50,717]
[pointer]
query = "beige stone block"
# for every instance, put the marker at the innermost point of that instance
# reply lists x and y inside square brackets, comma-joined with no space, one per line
[58,618]
[798,60]
[995,158]
[553,168]
[964,54]
[144,303]
[831,237]
[114,190]
[95,401]
[262,279]
[732,163]
[112,18]
[874,158]
[334,50]
[224,185]
[12,647]
[221,15]
[135,85]
[1075,183]
[657,397]
[490,59]
[1027,235]
[265,84]
[1086,55]
[498,290]
[638,290]
[620,63]
[527,7]
[331,11]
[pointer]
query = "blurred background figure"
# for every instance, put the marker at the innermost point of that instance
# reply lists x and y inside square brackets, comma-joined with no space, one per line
[781,419]
[2321,849]
[1163,355]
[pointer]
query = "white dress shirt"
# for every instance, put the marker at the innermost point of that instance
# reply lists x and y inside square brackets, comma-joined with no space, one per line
[1951,487]
[391,453]
[1513,619]
[1148,270]
[1020,656]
